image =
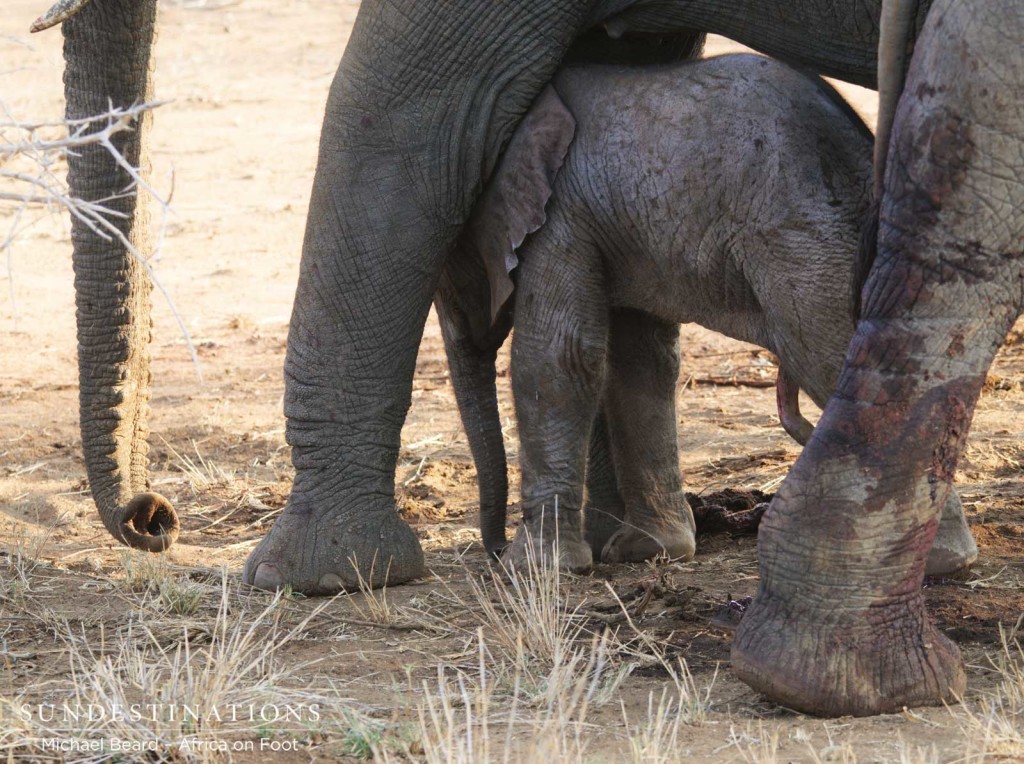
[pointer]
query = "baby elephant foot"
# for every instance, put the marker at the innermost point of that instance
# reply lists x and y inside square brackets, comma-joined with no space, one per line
[634,544]
[954,548]
[528,551]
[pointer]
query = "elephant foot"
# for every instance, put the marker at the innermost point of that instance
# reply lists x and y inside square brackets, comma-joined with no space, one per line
[320,554]
[632,544]
[663,530]
[855,660]
[542,546]
[954,548]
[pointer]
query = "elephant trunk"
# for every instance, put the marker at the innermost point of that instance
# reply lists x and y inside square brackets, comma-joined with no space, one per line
[107,53]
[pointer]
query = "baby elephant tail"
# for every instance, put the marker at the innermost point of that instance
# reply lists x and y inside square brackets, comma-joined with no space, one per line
[787,397]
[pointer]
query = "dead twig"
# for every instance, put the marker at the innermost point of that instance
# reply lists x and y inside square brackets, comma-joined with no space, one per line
[30,152]
[731,381]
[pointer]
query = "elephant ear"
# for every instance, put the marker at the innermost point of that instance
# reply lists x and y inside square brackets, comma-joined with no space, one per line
[512,205]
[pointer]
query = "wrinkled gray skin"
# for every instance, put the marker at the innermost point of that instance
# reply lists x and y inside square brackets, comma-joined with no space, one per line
[838,624]
[426,98]
[728,192]
[414,125]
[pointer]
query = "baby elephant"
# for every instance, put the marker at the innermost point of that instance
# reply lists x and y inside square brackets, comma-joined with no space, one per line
[730,192]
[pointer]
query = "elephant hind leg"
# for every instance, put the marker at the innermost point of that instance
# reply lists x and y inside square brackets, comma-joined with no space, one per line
[641,411]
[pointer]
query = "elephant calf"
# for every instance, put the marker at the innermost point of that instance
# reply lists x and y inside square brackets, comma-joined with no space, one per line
[728,192]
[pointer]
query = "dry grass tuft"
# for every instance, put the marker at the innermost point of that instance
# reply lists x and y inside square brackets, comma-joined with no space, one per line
[755,747]
[917,754]
[680,705]
[996,726]
[534,674]
[181,596]
[150,574]
[18,566]
[143,571]
[372,604]
[164,697]
[536,640]
[525,614]
[656,741]
[201,474]
[465,717]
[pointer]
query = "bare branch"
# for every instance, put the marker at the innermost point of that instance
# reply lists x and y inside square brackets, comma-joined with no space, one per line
[29,152]
[62,10]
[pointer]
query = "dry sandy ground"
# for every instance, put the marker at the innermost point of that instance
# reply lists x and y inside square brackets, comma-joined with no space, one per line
[248,82]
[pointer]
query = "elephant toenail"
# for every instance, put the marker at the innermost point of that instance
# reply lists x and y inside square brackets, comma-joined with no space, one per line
[331,582]
[267,577]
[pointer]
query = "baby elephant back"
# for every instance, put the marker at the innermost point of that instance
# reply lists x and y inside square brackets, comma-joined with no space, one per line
[729,192]
[734,123]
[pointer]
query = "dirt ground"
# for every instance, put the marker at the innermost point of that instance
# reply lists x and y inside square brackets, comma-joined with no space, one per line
[247,83]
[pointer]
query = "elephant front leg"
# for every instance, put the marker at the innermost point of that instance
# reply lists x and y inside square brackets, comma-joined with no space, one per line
[839,625]
[558,359]
[641,413]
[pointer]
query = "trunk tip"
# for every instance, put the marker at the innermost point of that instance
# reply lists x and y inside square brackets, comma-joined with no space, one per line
[149,523]
[494,549]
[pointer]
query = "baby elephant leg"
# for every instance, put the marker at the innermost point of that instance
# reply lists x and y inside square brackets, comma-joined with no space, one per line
[558,366]
[954,548]
[640,406]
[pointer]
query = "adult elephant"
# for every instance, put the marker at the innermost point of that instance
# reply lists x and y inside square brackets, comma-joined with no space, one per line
[425,99]
[838,624]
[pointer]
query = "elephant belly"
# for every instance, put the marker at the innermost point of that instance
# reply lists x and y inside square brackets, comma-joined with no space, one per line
[677,292]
